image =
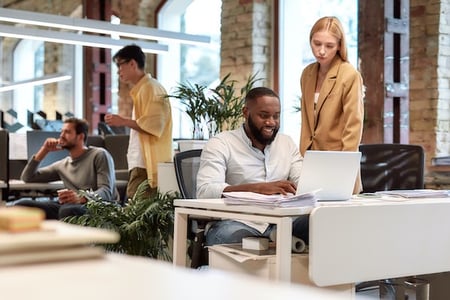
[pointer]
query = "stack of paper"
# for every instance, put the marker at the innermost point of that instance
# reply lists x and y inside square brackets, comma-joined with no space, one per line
[250,198]
[419,193]
[55,241]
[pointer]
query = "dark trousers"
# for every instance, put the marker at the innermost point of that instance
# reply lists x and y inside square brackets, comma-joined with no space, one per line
[55,210]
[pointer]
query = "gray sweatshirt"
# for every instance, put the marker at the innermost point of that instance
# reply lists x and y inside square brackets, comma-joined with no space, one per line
[92,170]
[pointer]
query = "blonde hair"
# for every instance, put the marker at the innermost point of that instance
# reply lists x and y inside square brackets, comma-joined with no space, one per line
[334,27]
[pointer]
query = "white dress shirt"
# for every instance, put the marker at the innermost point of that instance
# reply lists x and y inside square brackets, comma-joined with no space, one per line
[230,159]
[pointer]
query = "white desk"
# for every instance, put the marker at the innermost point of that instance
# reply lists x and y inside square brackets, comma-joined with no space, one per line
[352,241]
[216,208]
[118,277]
[34,189]
[35,186]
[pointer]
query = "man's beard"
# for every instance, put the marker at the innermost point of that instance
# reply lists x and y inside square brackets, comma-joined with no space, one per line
[68,146]
[256,132]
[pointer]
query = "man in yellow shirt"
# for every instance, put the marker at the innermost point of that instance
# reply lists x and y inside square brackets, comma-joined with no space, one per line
[151,121]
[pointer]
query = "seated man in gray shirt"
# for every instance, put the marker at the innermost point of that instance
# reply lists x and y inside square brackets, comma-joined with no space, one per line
[253,158]
[86,168]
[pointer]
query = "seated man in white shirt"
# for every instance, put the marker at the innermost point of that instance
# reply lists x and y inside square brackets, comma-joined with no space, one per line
[253,158]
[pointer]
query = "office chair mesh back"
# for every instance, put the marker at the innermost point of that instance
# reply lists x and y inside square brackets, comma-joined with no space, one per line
[391,167]
[187,164]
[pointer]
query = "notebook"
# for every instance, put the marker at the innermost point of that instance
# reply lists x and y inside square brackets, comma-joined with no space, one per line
[331,173]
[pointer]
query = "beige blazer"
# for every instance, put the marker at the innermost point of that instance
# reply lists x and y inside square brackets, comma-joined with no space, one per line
[337,123]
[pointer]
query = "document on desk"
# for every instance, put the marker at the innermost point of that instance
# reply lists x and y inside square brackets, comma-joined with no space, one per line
[417,193]
[250,198]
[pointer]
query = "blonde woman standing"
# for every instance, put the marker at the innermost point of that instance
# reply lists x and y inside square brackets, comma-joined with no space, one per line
[332,94]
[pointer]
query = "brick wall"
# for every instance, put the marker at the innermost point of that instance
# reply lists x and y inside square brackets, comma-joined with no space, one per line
[429,76]
[246,40]
[429,80]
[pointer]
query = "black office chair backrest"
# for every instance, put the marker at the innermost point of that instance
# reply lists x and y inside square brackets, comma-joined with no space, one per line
[117,146]
[105,129]
[391,167]
[4,155]
[96,141]
[4,163]
[186,165]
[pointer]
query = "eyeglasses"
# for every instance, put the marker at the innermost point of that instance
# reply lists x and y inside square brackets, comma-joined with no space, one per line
[120,63]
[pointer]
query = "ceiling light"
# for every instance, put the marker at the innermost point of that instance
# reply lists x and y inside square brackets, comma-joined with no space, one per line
[77,39]
[35,81]
[96,26]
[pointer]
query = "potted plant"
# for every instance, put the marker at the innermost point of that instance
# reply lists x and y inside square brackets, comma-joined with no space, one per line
[192,96]
[216,109]
[224,107]
[145,224]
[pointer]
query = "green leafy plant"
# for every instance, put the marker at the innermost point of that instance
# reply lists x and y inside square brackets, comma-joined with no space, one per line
[145,223]
[218,108]
[192,96]
[224,108]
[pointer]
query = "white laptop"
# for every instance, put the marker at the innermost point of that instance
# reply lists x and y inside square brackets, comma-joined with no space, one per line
[331,173]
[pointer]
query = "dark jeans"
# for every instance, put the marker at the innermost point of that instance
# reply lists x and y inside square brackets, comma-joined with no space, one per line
[231,232]
[54,210]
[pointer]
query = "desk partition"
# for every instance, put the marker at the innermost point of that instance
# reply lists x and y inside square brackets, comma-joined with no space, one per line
[384,239]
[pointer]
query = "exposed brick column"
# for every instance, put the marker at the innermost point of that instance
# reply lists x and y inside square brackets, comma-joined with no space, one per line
[429,84]
[246,40]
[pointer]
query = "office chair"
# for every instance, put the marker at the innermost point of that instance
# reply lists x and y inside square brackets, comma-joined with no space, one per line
[390,167]
[105,129]
[96,141]
[186,165]
[117,146]
[4,169]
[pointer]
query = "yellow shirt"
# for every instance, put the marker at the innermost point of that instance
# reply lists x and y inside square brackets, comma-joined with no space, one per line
[153,114]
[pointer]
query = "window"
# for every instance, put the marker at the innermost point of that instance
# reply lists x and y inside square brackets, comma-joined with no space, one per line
[194,63]
[30,64]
